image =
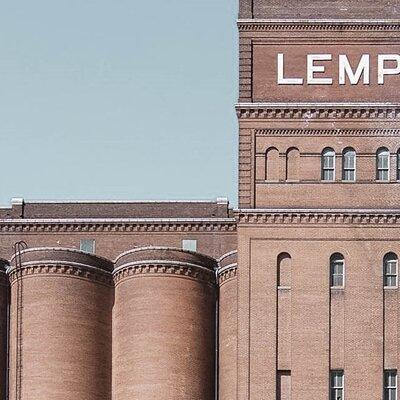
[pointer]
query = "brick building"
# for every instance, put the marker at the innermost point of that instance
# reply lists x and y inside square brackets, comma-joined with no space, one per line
[294,295]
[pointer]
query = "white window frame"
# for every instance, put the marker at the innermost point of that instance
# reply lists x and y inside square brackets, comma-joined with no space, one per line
[186,244]
[391,257]
[344,169]
[333,389]
[324,169]
[333,260]
[388,388]
[87,240]
[380,169]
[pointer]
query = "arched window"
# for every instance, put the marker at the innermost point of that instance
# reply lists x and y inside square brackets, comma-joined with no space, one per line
[390,270]
[398,165]
[383,164]
[284,270]
[292,164]
[337,271]
[272,164]
[328,165]
[349,165]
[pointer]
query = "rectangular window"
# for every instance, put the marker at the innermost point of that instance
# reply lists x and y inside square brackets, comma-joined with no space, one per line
[328,167]
[88,246]
[337,273]
[383,166]
[349,165]
[390,273]
[349,175]
[390,384]
[284,385]
[189,244]
[337,385]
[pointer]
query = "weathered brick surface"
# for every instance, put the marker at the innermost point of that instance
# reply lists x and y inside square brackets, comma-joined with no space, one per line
[164,327]
[60,346]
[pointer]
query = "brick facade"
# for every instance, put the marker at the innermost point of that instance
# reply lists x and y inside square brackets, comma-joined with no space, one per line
[143,318]
[292,220]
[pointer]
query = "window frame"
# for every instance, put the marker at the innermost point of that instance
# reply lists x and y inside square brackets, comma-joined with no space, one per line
[325,155]
[334,260]
[93,241]
[345,169]
[333,388]
[189,241]
[390,257]
[388,388]
[379,169]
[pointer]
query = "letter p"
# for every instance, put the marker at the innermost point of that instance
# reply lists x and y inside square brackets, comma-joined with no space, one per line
[382,71]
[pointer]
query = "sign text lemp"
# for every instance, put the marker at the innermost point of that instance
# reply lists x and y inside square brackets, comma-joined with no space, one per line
[387,64]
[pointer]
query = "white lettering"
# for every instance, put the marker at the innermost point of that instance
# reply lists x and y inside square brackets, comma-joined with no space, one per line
[345,69]
[386,64]
[281,79]
[382,71]
[313,69]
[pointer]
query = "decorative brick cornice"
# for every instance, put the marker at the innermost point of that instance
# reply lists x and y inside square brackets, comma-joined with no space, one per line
[328,132]
[252,25]
[61,226]
[58,268]
[294,217]
[227,273]
[308,111]
[162,268]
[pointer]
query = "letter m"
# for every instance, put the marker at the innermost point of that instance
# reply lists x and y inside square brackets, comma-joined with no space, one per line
[363,68]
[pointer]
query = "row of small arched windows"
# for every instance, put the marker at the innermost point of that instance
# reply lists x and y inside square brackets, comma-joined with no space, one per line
[328,164]
[349,160]
[292,164]
[337,270]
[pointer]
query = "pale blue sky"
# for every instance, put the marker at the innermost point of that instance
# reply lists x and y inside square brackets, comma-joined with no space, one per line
[122,99]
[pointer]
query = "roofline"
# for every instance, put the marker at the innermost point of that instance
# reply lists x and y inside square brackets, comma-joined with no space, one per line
[219,200]
[298,105]
[317,210]
[317,21]
[115,220]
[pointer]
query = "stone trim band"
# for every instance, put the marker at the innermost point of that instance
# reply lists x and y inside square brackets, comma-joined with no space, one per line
[162,267]
[60,268]
[328,132]
[318,111]
[10,226]
[227,273]
[319,217]
[254,25]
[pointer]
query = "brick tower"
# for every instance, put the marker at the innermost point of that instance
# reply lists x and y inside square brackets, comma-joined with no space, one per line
[319,222]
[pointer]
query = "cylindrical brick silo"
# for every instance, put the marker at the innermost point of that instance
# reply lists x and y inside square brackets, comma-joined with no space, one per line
[61,308]
[3,327]
[164,325]
[227,327]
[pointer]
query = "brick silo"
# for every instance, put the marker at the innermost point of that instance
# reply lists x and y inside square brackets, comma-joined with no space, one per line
[3,327]
[61,303]
[227,326]
[164,325]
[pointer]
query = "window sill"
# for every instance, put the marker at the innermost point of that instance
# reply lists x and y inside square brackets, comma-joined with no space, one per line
[284,287]
[390,287]
[337,288]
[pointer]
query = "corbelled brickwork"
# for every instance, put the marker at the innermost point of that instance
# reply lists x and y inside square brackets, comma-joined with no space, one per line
[134,300]
[108,311]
